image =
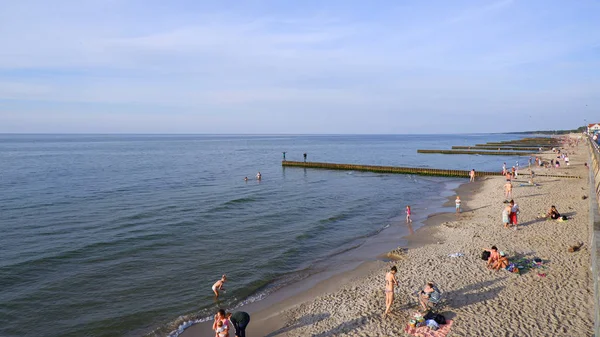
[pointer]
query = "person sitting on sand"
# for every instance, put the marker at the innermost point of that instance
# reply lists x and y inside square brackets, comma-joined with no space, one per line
[553,213]
[494,256]
[219,285]
[501,263]
[429,294]
[390,283]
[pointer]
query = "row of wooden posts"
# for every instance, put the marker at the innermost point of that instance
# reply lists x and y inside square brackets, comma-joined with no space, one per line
[539,142]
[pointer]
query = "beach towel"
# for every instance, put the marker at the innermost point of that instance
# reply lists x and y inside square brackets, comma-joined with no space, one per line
[424,331]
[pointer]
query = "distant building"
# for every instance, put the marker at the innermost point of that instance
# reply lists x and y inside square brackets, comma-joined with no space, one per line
[593,128]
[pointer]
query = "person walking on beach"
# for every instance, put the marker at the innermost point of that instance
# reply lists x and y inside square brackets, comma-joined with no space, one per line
[408,219]
[508,191]
[219,285]
[457,202]
[390,284]
[240,321]
[504,169]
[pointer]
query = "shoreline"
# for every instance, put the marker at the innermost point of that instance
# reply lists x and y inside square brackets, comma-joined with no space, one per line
[481,302]
[268,312]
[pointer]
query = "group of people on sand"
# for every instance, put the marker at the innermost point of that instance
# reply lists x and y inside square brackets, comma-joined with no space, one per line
[428,296]
[223,320]
[497,259]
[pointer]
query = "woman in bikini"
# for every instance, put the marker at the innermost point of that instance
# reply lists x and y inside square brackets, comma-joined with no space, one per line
[390,283]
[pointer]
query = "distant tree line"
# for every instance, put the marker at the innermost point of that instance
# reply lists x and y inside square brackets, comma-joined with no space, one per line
[552,132]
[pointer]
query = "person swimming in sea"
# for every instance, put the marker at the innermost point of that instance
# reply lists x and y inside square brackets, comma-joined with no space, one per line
[258,176]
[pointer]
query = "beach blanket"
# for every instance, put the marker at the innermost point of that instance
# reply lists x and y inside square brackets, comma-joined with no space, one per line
[424,331]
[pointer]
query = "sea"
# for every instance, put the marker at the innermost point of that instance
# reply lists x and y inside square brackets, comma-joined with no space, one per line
[124,235]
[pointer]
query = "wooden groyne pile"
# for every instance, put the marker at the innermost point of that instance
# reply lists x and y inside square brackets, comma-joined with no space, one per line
[400,170]
[519,147]
[387,169]
[502,148]
[487,153]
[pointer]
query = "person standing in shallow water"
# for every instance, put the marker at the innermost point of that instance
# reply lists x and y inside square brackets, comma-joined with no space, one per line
[457,202]
[390,284]
[472,175]
[408,219]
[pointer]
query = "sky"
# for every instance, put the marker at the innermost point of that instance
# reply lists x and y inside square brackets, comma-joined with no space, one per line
[298,67]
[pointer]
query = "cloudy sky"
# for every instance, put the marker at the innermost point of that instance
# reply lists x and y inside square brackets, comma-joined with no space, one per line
[310,66]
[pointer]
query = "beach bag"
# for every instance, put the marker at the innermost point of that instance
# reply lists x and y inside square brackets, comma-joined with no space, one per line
[485,255]
[439,319]
[564,217]
[429,315]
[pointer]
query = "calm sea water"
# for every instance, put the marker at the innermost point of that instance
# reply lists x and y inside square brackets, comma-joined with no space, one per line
[114,235]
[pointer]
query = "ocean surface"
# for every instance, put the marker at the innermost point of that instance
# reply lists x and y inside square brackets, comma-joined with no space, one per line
[123,235]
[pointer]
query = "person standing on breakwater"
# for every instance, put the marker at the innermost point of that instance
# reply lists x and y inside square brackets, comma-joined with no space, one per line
[284,155]
[305,157]
[472,176]
[408,219]
[457,202]
[240,321]
[390,284]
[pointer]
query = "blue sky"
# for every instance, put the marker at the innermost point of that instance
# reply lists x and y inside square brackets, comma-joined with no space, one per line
[185,66]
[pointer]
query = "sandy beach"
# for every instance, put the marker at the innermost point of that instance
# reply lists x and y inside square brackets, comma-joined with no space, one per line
[553,301]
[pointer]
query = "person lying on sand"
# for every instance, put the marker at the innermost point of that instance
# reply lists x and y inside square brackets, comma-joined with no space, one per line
[494,256]
[430,293]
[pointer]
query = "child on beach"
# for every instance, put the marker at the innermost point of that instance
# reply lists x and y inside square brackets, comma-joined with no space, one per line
[457,201]
[221,330]
[219,285]
[506,215]
[408,219]
[514,211]
[507,191]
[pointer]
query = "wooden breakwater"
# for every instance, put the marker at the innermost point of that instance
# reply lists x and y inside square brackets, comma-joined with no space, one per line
[505,148]
[536,146]
[388,169]
[402,170]
[484,153]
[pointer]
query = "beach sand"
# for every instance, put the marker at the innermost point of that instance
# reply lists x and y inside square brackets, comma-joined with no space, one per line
[480,301]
